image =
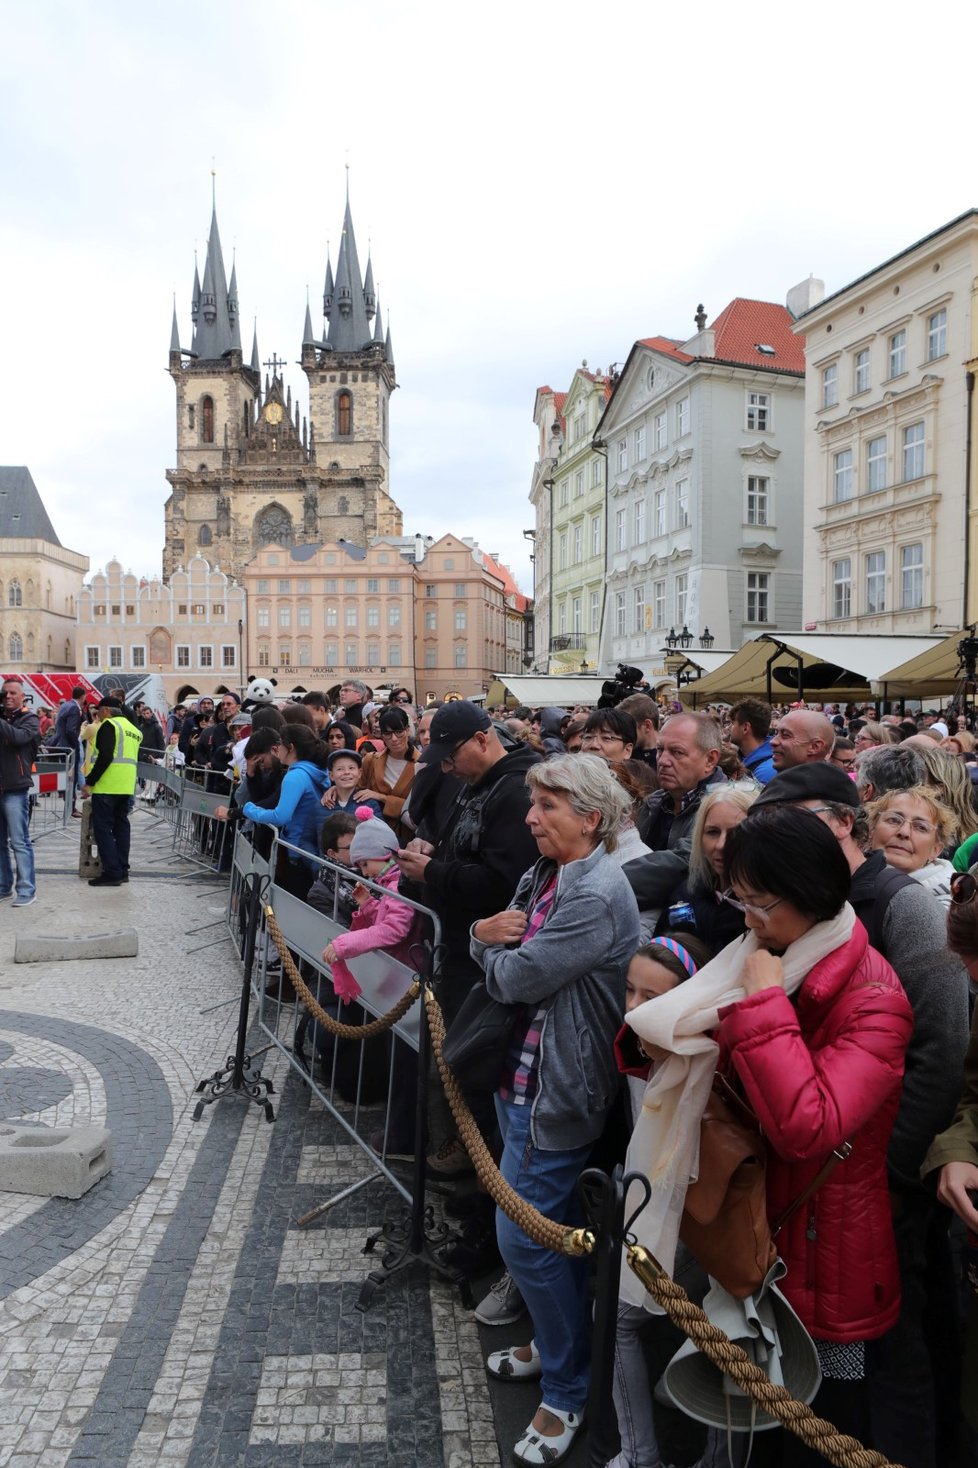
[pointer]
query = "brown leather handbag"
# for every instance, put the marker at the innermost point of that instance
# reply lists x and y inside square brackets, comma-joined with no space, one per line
[724,1224]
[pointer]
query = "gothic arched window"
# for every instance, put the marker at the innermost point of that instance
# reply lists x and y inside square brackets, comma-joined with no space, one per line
[16,647]
[344,414]
[273,526]
[15,597]
[204,535]
[207,420]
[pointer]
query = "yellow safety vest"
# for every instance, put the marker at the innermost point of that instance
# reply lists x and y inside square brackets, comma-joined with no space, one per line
[120,777]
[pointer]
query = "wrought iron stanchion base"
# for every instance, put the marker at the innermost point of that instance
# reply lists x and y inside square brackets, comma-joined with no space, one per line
[247,1082]
[401,1248]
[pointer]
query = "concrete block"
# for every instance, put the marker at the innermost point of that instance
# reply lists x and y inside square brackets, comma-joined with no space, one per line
[40,948]
[53,1162]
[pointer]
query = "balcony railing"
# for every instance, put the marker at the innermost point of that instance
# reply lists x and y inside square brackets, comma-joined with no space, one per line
[569,642]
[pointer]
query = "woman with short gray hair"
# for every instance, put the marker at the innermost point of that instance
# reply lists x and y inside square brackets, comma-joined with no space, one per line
[559,953]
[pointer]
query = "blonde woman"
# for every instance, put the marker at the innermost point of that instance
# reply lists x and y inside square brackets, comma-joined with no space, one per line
[713,920]
[911,828]
[952,783]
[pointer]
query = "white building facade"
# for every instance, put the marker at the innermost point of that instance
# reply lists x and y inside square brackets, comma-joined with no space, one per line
[886,441]
[704,443]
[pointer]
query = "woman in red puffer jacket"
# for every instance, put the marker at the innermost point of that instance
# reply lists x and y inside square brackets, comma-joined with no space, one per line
[819,1068]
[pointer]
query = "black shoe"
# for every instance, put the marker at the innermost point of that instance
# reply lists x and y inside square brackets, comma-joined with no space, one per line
[476,1253]
[399,1149]
[124,877]
[281,991]
[105,881]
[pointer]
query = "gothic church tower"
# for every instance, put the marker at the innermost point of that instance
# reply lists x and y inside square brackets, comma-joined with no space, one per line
[249,471]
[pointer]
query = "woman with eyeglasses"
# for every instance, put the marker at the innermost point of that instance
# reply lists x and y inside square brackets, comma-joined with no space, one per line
[611,733]
[387,777]
[810,1025]
[911,828]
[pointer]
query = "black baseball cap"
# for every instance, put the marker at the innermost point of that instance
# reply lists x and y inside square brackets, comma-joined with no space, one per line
[816,780]
[451,726]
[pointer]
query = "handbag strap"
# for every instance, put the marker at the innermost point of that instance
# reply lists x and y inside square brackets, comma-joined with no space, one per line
[839,1154]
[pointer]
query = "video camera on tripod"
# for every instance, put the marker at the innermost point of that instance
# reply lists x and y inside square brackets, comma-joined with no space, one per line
[625,681]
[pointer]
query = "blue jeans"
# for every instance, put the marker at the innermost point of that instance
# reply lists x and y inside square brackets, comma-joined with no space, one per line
[14,836]
[553,1286]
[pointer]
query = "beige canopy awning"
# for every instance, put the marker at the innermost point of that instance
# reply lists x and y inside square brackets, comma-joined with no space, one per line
[931,670]
[782,666]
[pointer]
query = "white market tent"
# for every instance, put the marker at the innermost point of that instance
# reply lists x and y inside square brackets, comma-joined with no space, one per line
[779,666]
[932,671]
[535,689]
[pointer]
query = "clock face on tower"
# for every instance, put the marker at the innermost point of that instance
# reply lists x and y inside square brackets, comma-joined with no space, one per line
[273,413]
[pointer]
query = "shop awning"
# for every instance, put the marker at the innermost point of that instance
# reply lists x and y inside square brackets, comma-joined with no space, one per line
[535,690]
[931,670]
[829,666]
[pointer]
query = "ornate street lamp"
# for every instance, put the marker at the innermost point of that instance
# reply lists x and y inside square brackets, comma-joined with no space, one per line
[671,639]
[685,637]
[706,638]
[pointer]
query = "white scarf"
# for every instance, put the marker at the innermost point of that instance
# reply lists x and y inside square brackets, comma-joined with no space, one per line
[665,1142]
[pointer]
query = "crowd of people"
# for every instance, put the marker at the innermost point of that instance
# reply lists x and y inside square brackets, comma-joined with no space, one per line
[778,900]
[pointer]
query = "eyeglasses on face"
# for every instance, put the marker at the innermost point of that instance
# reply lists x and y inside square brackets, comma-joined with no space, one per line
[450,758]
[759,912]
[602,736]
[892,821]
[402,700]
[964,887]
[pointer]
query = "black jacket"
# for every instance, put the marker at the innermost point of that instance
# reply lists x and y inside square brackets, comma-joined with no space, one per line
[484,850]
[20,735]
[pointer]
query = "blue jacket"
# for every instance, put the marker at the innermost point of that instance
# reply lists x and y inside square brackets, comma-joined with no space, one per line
[760,763]
[299,813]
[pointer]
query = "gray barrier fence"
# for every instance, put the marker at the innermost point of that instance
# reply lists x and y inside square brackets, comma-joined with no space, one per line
[365,1085]
[52,795]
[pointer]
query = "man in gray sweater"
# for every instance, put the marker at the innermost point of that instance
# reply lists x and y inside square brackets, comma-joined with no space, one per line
[906,924]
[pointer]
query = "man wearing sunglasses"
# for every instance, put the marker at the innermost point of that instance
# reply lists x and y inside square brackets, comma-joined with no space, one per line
[906,923]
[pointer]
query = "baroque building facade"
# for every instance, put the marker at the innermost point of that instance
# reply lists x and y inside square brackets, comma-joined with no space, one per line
[576,535]
[250,469]
[40,582]
[441,617]
[187,630]
[704,518]
[891,358]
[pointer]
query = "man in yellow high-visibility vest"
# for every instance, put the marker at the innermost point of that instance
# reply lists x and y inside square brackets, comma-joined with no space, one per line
[111,782]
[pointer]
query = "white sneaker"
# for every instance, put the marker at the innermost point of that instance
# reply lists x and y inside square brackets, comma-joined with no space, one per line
[24,901]
[502,1305]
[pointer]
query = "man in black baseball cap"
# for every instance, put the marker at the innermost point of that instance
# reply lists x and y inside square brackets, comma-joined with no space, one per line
[453,726]
[906,924]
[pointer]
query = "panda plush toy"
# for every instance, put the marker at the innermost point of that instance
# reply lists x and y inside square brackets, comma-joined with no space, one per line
[260,693]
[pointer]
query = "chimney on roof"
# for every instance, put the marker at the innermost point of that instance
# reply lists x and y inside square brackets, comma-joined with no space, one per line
[700,317]
[805,297]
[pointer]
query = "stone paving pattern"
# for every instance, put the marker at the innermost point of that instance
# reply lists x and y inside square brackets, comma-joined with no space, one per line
[176,1314]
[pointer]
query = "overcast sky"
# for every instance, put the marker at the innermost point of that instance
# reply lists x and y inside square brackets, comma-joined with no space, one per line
[542,184]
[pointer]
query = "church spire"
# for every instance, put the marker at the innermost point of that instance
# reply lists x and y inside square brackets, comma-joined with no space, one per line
[328,287]
[349,330]
[233,308]
[388,347]
[216,318]
[255,359]
[379,326]
[174,330]
[308,339]
[369,294]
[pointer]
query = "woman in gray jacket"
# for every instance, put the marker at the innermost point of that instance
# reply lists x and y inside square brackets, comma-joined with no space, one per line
[560,951]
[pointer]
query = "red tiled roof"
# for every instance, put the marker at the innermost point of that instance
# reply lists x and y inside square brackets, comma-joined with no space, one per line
[744,325]
[505,575]
[667,345]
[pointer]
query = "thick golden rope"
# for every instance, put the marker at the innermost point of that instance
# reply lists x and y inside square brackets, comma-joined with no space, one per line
[542,1230]
[820,1435]
[335,1027]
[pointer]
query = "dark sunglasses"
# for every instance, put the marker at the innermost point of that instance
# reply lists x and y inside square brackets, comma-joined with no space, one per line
[964,887]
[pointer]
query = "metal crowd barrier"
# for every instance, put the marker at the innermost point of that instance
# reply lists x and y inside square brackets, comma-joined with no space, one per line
[52,791]
[354,1066]
[199,834]
[244,861]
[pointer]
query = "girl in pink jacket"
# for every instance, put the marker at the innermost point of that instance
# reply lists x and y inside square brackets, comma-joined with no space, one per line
[379,922]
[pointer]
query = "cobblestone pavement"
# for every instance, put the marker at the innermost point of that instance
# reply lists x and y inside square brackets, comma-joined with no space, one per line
[176,1314]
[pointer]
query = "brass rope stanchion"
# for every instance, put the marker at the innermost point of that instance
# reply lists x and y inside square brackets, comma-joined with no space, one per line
[820,1435]
[335,1026]
[542,1230]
